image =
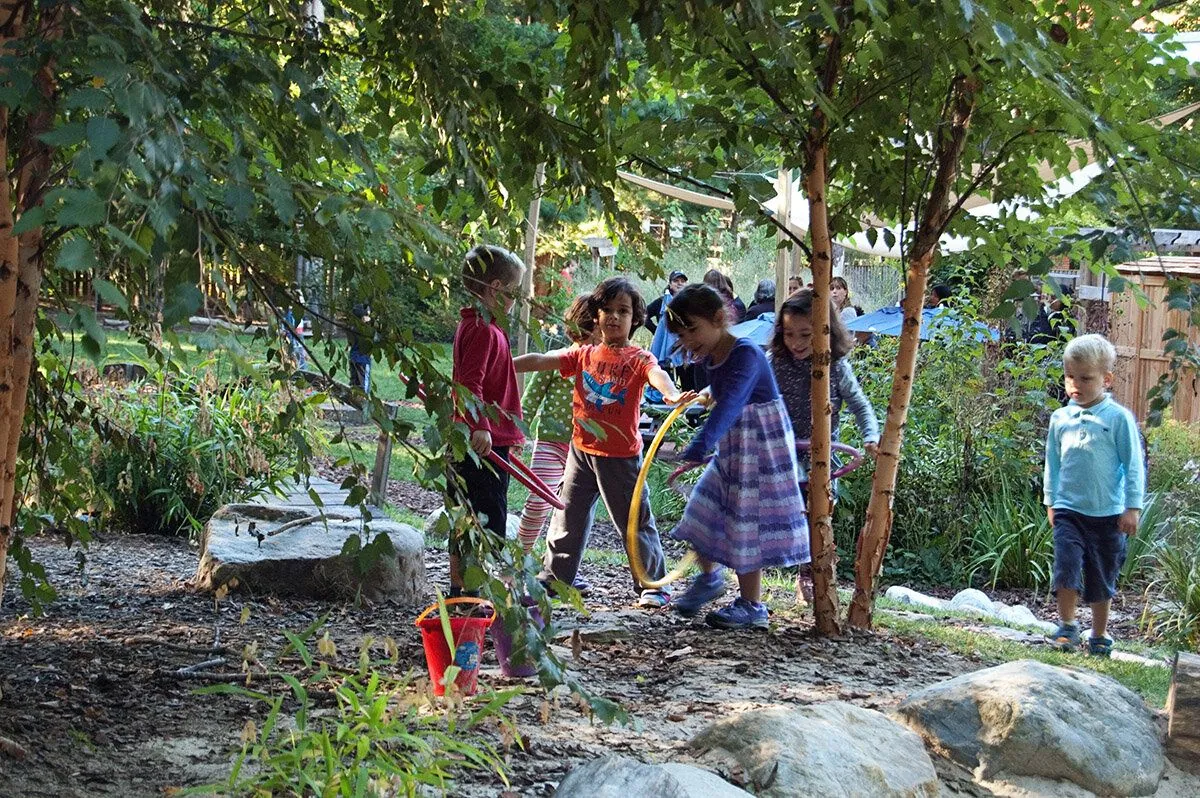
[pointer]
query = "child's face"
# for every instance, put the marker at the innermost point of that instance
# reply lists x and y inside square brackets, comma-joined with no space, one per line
[701,336]
[797,335]
[1085,382]
[838,294]
[615,320]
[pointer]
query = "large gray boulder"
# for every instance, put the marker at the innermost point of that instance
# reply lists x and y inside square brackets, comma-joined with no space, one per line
[621,777]
[828,749]
[1025,718]
[311,557]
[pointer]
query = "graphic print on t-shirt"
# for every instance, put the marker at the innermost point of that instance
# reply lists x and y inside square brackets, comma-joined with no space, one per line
[602,393]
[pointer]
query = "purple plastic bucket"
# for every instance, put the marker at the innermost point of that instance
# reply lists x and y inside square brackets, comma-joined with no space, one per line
[504,648]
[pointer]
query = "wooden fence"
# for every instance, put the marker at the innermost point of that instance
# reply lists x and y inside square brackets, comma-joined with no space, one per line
[1137,332]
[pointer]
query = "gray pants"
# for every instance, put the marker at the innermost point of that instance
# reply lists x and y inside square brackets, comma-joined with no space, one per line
[587,477]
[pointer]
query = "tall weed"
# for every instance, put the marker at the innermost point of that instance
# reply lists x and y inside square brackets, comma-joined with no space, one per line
[166,456]
[1013,544]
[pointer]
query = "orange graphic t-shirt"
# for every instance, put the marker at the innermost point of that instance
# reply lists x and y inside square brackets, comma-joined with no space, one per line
[608,397]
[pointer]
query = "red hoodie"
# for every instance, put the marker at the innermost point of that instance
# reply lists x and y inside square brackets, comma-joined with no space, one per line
[483,364]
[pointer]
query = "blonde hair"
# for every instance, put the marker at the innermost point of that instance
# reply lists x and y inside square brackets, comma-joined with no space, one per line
[1091,350]
[486,263]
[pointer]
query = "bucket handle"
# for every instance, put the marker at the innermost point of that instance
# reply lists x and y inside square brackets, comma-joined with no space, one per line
[457,600]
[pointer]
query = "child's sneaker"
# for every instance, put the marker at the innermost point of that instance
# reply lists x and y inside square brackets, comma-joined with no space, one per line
[653,599]
[741,614]
[703,589]
[1100,646]
[1067,637]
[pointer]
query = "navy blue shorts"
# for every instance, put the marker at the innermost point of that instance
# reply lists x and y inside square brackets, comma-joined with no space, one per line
[1088,554]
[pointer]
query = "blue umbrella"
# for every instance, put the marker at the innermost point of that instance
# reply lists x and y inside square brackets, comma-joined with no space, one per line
[758,330]
[890,321]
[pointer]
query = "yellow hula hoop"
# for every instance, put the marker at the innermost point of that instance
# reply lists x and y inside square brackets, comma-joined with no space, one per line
[635,506]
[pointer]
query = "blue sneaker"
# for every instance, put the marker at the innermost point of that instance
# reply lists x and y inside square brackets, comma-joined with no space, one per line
[741,614]
[704,588]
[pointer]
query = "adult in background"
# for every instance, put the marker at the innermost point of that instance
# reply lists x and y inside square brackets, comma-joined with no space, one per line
[937,295]
[839,293]
[764,300]
[794,285]
[654,311]
[724,286]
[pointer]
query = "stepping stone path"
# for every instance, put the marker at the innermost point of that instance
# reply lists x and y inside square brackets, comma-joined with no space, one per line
[291,547]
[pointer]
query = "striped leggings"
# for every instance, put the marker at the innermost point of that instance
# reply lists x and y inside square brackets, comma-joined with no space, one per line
[549,460]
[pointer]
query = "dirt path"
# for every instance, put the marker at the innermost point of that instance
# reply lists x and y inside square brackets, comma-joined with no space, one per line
[90,689]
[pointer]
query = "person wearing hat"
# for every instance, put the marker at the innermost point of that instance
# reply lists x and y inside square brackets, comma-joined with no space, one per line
[675,281]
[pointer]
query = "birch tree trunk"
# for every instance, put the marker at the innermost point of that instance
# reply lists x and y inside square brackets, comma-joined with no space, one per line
[877,530]
[16,328]
[820,489]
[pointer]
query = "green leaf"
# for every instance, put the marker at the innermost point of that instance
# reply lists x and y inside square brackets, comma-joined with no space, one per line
[30,219]
[240,201]
[184,301]
[81,207]
[94,338]
[76,255]
[65,135]
[111,294]
[102,134]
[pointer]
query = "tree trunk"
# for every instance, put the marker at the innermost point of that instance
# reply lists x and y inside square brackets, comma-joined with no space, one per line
[17,330]
[820,489]
[876,531]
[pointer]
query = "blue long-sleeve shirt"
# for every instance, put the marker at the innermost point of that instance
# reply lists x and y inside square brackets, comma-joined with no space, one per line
[743,378]
[1094,462]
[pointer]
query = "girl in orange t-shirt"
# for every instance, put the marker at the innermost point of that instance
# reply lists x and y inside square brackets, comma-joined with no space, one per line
[606,447]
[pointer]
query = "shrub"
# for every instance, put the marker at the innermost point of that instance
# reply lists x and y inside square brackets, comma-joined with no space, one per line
[166,456]
[1174,463]
[1173,597]
[975,429]
[1012,544]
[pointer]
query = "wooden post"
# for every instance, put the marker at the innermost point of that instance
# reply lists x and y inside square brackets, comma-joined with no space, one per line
[783,257]
[1183,713]
[531,228]
[383,462]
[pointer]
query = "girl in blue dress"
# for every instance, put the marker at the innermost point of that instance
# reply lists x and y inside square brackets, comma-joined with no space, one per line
[746,512]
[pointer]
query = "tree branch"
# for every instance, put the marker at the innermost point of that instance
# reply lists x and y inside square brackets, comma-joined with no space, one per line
[727,195]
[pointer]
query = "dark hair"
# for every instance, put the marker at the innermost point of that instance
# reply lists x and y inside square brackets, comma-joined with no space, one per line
[720,281]
[486,263]
[612,288]
[765,291]
[579,320]
[942,291]
[801,304]
[841,283]
[694,301]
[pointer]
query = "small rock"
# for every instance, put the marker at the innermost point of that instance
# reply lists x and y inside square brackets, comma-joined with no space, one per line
[600,635]
[908,596]
[972,599]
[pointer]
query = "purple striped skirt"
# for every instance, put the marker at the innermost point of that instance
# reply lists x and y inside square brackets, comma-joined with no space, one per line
[747,512]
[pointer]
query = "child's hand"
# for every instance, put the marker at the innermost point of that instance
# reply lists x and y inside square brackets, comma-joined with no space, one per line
[481,442]
[1127,524]
[872,450]
[1050,515]
[681,398]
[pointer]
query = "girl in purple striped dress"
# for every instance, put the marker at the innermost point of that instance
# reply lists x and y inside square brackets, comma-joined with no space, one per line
[746,512]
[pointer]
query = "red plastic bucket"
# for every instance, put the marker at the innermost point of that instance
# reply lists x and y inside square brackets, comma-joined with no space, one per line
[514,662]
[468,634]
